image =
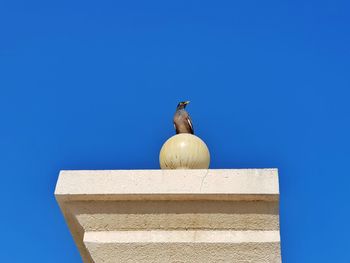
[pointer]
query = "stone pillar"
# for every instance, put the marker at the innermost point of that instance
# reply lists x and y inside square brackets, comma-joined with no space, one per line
[173,215]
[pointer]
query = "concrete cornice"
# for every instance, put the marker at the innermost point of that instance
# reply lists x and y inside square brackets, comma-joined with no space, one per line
[240,184]
[149,215]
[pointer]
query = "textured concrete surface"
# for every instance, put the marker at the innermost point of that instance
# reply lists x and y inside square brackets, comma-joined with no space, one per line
[172,215]
[119,215]
[262,252]
[134,184]
[182,236]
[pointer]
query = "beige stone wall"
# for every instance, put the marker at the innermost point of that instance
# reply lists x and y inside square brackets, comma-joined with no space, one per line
[173,215]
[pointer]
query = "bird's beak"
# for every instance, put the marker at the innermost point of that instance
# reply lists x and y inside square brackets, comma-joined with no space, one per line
[186,102]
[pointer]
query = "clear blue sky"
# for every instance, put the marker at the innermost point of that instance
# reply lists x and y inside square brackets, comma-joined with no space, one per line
[93,85]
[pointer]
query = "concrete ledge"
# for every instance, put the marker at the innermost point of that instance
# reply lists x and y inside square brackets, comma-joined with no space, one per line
[185,252]
[227,215]
[168,184]
[184,236]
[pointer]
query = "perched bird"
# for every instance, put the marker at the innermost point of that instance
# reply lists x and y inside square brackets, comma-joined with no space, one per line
[182,120]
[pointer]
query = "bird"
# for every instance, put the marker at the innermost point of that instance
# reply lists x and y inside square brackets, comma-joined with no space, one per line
[182,120]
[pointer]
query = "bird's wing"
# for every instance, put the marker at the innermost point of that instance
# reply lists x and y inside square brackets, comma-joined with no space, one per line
[188,118]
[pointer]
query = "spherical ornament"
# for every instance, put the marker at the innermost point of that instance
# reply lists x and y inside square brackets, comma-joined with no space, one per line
[184,151]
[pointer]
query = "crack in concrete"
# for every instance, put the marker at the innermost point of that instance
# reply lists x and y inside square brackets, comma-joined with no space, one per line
[203,178]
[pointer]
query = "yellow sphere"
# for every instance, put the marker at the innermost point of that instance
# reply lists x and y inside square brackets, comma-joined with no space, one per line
[184,151]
